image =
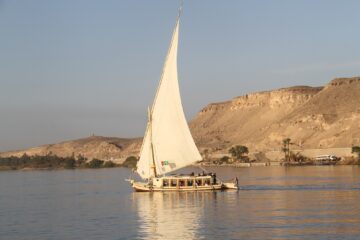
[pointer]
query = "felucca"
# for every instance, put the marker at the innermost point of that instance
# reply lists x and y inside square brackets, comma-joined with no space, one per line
[168,145]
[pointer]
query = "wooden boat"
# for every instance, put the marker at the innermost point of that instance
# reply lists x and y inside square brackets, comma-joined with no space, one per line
[168,145]
[183,183]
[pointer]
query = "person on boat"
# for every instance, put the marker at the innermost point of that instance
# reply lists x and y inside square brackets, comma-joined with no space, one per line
[190,183]
[198,182]
[151,184]
[165,183]
[213,176]
[236,181]
[207,182]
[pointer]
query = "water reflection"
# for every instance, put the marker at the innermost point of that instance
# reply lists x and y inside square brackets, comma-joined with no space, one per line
[277,203]
[171,215]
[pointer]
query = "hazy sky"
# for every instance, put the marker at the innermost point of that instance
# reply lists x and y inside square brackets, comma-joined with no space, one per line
[69,69]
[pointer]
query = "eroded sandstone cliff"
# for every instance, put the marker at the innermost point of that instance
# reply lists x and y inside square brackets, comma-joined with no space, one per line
[312,117]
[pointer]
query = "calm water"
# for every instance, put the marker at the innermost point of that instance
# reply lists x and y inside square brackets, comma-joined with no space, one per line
[274,203]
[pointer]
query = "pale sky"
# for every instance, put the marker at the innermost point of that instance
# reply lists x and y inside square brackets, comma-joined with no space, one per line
[69,69]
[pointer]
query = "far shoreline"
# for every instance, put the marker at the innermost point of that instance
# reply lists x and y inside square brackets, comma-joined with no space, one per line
[29,169]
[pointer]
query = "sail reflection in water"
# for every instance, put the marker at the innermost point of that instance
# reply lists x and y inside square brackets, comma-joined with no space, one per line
[172,215]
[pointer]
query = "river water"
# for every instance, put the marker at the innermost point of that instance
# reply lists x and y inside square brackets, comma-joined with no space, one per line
[312,202]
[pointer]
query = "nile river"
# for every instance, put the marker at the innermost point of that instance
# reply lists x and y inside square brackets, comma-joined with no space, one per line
[275,203]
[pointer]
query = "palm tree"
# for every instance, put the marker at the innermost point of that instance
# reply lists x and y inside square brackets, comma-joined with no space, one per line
[286,148]
[238,151]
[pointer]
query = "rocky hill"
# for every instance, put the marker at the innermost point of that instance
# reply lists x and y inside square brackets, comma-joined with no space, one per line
[321,117]
[313,117]
[105,148]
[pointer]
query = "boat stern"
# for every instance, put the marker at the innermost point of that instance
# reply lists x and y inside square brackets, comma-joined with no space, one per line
[230,186]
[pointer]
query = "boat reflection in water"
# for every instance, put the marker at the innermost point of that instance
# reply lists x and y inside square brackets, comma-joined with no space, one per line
[170,215]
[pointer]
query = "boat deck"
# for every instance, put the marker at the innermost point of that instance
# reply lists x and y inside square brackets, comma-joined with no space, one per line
[183,183]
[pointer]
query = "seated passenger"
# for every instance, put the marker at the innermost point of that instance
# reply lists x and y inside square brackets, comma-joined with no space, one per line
[207,182]
[165,183]
[190,183]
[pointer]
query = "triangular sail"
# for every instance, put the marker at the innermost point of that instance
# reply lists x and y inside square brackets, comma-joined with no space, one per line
[167,136]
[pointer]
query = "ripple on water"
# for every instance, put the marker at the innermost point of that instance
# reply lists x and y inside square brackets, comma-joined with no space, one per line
[274,203]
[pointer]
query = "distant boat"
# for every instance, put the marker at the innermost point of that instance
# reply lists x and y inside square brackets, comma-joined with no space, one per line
[168,145]
[326,160]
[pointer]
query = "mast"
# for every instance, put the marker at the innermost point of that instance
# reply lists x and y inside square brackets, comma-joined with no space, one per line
[150,110]
[153,166]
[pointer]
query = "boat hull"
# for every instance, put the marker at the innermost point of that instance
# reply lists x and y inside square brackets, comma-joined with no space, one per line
[144,187]
[182,184]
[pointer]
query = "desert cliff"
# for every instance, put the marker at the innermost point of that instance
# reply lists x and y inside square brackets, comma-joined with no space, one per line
[313,117]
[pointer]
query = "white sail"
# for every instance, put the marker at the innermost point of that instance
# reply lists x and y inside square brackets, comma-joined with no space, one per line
[167,139]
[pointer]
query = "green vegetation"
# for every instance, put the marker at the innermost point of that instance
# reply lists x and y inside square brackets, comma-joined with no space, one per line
[51,161]
[224,159]
[81,160]
[239,152]
[130,162]
[70,163]
[298,157]
[286,148]
[356,150]
[95,163]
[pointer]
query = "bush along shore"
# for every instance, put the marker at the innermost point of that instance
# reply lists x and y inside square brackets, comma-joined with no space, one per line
[55,162]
